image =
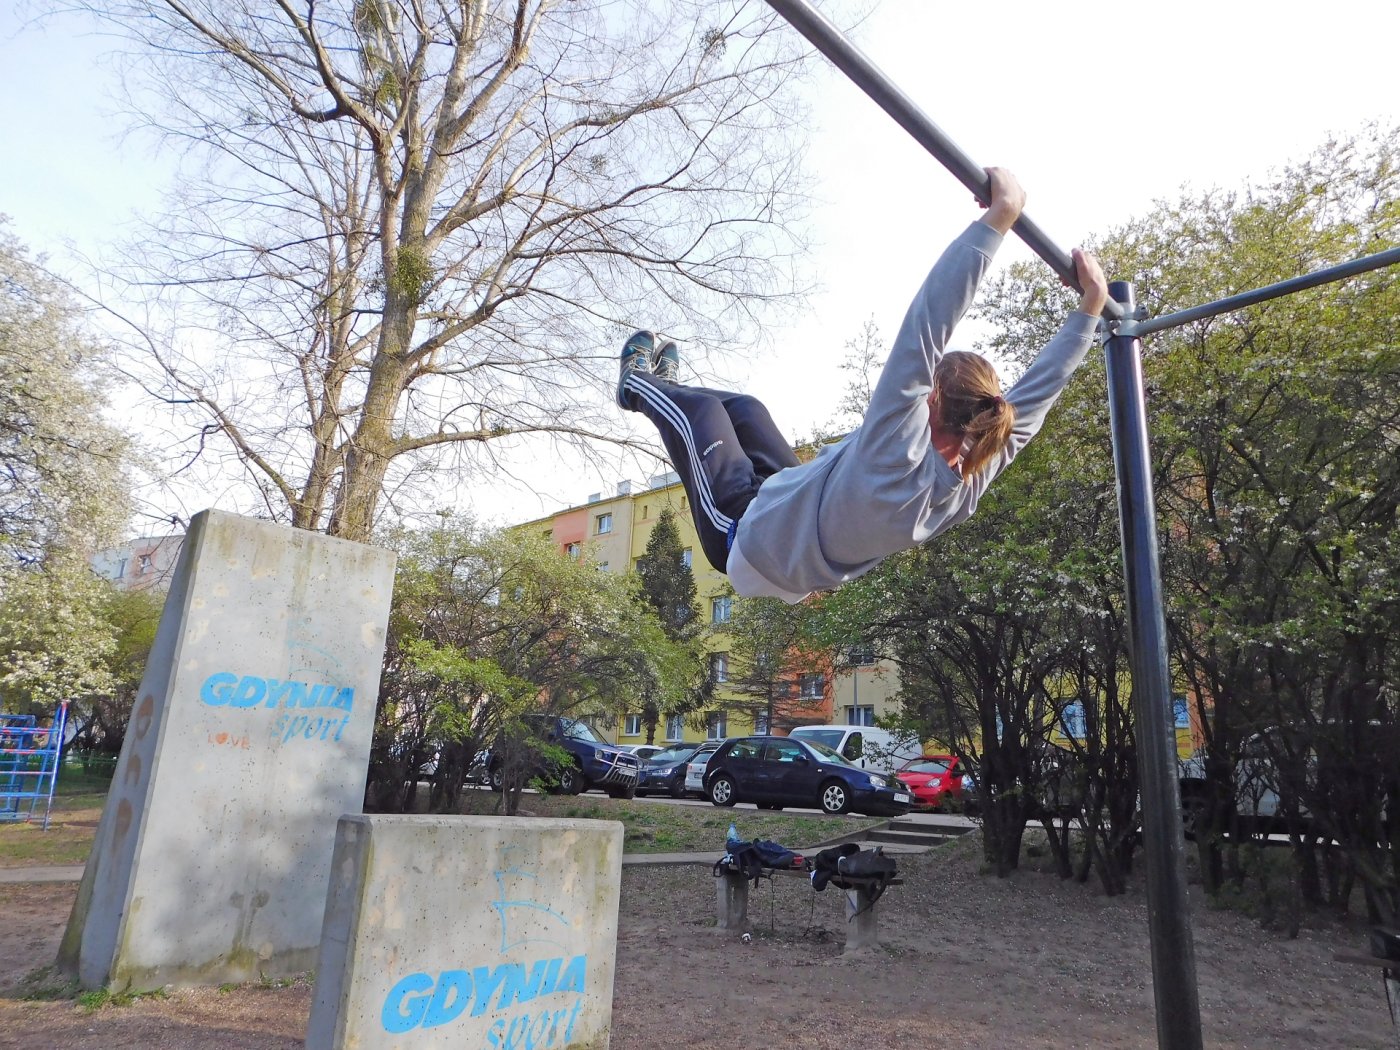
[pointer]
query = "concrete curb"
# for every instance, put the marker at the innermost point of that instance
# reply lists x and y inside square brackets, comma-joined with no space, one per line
[42,873]
[74,872]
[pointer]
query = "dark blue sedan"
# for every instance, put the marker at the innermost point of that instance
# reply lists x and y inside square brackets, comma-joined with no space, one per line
[778,771]
[664,773]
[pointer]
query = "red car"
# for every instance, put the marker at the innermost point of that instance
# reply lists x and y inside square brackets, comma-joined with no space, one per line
[933,780]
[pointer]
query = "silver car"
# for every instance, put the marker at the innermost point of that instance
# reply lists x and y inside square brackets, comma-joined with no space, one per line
[695,771]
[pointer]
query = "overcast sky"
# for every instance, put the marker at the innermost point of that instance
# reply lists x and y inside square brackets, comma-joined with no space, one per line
[1099,108]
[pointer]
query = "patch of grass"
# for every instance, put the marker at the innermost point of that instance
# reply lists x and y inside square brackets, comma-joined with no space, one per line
[264,981]
[79,800]
[101,998]
[72,828]
[1267,891]
[659,827]
[46,985]
[270,983]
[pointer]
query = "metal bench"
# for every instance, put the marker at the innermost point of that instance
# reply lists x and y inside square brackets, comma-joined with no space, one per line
[862,914]
[1385,955]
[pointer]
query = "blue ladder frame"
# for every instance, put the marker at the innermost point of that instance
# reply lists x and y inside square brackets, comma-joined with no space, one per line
[29,760]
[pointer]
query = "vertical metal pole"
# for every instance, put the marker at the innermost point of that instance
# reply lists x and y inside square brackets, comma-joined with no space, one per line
[1168,906]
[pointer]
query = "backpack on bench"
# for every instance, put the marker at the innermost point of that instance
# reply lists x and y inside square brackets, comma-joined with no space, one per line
[756,859]
[849,860]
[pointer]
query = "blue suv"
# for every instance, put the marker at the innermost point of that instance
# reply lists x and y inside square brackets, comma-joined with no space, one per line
[778,771]
[595,763]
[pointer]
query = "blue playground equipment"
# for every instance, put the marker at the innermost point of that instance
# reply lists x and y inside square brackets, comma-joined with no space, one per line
[29,758]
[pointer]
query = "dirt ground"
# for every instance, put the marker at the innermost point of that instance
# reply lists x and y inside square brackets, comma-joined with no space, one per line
[968,961]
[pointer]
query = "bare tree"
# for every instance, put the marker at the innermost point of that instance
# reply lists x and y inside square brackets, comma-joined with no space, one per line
[413,226]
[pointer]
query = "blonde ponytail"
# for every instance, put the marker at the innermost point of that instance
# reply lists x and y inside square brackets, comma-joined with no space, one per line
[967,401]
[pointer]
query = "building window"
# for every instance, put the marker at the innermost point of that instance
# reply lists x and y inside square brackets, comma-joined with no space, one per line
[860,716]
[721,609]
[675,727]
[685,557]
[604,524]
[632,725]
[602,566]
[121,569]
[860,655]
[812,686]
[143,564]
[685,505]
[646,511]
[1181,711]
[548,533]
[719,667]
[716,726]
[572,549]
[1072,720]
[760,724]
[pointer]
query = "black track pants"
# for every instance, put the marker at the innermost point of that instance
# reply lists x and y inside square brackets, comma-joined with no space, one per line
[722,445]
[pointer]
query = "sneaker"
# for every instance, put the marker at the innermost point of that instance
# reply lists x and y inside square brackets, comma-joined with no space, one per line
[636,357]
[666,362]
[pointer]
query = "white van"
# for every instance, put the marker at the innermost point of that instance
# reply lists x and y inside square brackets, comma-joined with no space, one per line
[870,748]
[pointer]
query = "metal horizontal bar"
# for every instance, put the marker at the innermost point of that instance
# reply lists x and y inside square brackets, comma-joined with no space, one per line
[1340,272]
[829,40]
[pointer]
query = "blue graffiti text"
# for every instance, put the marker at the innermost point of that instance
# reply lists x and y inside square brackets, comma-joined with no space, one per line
[422,1001]
[225,689]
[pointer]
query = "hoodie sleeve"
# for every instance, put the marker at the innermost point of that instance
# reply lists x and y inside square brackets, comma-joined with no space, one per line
[1036,392]
[897,418]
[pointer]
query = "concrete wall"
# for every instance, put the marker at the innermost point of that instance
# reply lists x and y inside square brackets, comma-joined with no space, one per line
[492,932]
[249,739]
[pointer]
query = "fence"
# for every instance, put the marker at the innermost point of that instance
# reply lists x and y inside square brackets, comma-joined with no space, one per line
[29,759]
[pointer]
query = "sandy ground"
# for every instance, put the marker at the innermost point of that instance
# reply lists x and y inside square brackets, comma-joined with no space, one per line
[968,961]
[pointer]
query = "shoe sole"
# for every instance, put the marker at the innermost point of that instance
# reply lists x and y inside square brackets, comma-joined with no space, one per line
[634,359]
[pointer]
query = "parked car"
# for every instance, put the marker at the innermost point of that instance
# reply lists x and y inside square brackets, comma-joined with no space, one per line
[970,800]
[642,751]
[865,746]
[595,763]
[480,771]
[1279,768]
[695,768]
[933,780]
[778,771]
[664,773]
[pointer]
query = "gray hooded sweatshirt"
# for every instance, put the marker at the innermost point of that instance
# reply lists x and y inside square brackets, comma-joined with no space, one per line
[884,487]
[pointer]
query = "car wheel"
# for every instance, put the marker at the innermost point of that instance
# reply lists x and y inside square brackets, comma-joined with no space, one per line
[678,789]
[722,791]
[622,792]
[570,780]
[497,777]
[836,797]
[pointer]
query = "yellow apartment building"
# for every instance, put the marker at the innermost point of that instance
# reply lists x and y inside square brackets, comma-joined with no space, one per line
[612,529]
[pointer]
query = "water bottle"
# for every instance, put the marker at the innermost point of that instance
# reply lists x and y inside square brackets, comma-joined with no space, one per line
[733,838]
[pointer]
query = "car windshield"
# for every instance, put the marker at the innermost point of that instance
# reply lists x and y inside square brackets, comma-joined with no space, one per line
[579,731]
[927,765]
[828,738]
[825,753]
[670,755]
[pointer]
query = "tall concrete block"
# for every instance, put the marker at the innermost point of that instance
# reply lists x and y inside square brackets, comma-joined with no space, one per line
[491,932]
[249,739]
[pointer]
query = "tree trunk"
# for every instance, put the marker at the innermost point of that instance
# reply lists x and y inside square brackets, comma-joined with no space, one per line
[372,447]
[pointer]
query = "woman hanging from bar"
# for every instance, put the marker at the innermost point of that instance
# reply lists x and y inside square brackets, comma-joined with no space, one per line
[937,432]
